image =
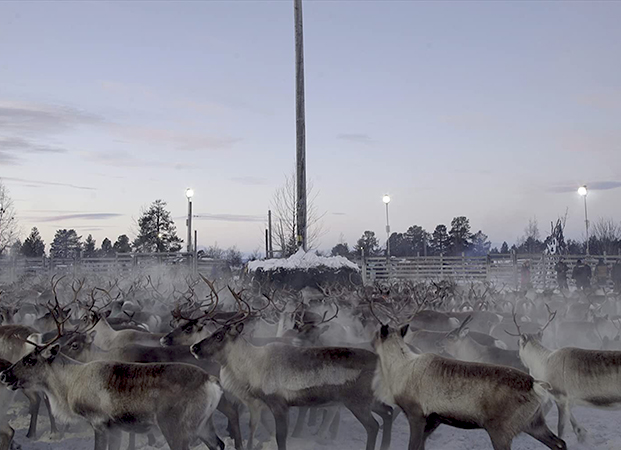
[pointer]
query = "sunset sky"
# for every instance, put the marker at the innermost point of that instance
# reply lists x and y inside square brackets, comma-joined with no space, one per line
[493,110]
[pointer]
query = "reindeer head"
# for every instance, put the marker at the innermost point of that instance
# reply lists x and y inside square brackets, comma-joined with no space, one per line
[32,370]
[454,339]
[528,338]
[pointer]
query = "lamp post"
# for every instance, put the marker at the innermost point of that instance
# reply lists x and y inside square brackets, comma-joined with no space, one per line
[583,192]
[189,193]
[386,200]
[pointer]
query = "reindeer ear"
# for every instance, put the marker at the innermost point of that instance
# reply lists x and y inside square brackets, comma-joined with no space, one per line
[404,330]
[50,353]
[384,331]
[540,334]
[239,328]
[90,337]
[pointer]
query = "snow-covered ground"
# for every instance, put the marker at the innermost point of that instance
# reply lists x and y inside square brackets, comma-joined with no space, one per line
[603,427]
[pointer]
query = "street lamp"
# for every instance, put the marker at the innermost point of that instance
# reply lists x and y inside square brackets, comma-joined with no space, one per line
[189,193]
[386,200]
[583,192]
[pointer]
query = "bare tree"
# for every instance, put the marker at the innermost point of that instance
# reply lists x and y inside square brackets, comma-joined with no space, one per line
[9,228]
[608,233]
[285,218]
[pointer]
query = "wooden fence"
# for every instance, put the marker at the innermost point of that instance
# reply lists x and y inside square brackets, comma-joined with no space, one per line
[501,269]
[12,268]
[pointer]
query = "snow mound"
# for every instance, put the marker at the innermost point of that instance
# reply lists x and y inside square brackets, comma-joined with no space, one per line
[302,260]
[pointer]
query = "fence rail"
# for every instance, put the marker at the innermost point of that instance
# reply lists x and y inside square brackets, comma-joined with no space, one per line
[12,268]
[503,269]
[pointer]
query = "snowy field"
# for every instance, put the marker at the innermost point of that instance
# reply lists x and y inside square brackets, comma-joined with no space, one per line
[603,428]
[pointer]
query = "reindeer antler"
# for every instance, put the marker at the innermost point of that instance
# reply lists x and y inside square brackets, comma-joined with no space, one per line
[551,316]
[519,332]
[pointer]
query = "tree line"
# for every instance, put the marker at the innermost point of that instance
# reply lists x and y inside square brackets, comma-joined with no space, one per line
[458,240]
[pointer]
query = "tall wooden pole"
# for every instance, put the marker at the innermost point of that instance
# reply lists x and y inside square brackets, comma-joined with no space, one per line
[300,126]
[269,227]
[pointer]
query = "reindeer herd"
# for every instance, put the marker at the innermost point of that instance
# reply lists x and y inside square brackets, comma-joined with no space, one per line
[154,357]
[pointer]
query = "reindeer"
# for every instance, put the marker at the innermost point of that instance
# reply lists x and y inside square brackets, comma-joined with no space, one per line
[115,396]
[460,345]
[280,376]
[432,390]
[81,347]
[14,344]
[577,376]
[6,398]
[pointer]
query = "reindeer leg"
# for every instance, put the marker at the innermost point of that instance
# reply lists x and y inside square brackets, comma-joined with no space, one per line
[386,413]
[209,437]
[131,445]
[500,440]
[580,432]
[334,426]
[35,402]
[281,416]
[114,439]
[540,431]
[362,412]
[6,437]
[254,408]
[312,416]
[563,413]
[299,423]
[417,430]
[53,428]
[101,439]
[231,411]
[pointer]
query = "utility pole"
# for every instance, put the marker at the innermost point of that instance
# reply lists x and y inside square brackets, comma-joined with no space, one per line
[300,126]
[269,227]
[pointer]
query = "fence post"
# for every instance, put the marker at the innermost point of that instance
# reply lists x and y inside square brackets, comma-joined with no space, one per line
[364,267]
[514,260]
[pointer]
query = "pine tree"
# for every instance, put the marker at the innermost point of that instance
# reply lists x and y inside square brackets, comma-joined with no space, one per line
[504,249]
[33,246]
[122,244]
[440,240]
[106,248]
[418,239]
[461,238]
[480,244]
[66,244]
[341,249]
[89,247]
[368,243]
[157,231]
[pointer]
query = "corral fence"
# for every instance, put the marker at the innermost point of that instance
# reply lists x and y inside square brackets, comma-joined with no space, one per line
[11,268]
[505,269]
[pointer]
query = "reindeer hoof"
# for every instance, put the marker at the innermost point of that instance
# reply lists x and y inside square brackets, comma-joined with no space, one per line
[581,434]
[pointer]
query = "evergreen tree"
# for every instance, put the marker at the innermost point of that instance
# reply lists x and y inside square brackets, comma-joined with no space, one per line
[122,244]
[461,238]
[480,244]
[106,250]
[157,231]
[66,244]
[33,246]
[504,249]
[399,245]
[89,247]
[340,250]
[368,243]
[440,241]
[417,239]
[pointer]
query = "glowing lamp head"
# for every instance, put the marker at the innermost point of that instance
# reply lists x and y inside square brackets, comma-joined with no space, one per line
[386,199]
[582,190]
[189,192]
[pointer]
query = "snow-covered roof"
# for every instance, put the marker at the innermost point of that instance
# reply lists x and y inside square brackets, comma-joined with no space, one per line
[304,261]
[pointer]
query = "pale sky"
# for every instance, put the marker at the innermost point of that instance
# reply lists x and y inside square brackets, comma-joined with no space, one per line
[493,110]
